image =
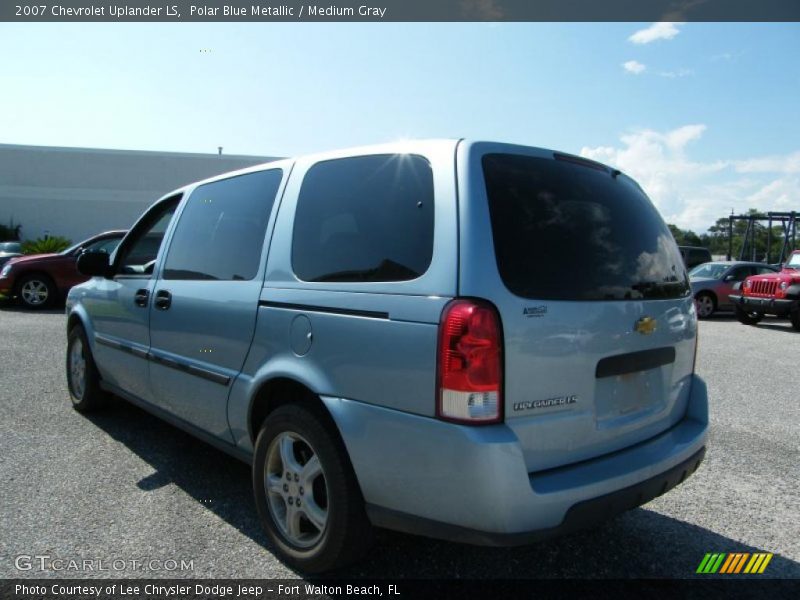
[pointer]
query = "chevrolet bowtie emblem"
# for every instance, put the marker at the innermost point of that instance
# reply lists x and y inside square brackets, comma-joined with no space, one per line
[645,325]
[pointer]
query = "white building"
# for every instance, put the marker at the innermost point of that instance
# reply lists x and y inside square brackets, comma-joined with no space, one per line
[78,192]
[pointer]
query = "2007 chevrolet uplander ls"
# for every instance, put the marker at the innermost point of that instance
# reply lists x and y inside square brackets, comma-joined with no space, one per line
[473,341]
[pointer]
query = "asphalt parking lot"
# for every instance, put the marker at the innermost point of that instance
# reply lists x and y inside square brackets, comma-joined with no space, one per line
[124,485]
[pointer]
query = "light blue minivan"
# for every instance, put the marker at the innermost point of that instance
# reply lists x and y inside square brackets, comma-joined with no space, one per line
[474,341]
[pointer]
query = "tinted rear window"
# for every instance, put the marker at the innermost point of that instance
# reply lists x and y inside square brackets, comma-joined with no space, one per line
[564,231]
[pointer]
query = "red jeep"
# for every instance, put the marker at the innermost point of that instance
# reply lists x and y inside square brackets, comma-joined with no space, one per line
[772,293]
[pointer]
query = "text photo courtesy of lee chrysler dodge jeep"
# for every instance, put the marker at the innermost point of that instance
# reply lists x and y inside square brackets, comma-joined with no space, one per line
[384,334]
[771,294]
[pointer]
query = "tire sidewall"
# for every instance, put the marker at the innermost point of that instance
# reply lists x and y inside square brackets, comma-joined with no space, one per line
[794,318]
[92,395]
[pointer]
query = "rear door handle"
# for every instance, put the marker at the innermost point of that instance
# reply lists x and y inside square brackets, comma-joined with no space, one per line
[140,297]
[163,299]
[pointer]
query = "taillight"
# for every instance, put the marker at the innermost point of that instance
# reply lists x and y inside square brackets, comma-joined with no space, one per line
[470,363]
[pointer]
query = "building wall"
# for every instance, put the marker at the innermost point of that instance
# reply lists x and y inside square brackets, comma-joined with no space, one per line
[78,192]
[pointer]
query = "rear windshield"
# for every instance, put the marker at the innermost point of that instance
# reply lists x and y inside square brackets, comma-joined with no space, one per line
[567,231]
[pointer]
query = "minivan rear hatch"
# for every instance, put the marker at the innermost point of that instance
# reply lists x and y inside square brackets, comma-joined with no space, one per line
[597,316]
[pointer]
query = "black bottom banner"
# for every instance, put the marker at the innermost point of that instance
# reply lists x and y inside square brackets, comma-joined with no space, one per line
[402,589]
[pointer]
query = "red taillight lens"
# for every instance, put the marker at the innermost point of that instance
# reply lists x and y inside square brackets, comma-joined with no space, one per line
[470,363]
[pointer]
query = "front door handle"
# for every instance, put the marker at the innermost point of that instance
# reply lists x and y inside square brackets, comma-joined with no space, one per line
[163,299]
[140,297]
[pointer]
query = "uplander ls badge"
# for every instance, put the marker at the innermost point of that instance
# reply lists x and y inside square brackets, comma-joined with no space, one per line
[557,401]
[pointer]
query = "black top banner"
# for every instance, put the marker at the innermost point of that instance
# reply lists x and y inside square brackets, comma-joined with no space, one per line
[399,10]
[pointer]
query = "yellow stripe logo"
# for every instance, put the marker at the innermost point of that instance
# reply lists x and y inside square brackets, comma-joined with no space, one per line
[734,563]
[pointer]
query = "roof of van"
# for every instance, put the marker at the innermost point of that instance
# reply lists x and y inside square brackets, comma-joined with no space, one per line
[401,146]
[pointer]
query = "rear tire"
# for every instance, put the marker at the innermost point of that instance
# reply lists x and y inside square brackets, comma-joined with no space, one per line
[706,304]
[306,493]
[747,318]
[83,379]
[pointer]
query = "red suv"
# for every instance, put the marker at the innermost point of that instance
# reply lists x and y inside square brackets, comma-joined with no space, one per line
[38,280]
[772,293]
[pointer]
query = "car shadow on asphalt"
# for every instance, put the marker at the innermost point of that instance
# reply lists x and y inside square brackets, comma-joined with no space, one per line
[11,306]
[786,328]
[638,544]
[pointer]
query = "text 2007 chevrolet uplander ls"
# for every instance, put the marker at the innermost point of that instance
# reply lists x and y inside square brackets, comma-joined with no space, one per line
[468,340]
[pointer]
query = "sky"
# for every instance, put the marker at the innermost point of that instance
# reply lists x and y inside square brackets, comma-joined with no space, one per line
[706,116]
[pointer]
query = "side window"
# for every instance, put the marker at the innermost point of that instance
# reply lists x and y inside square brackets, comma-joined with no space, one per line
[367,218]
[221,230]
[742,273]
[138,257]
[106,245]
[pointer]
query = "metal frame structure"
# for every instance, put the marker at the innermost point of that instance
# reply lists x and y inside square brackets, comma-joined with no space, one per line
[788,222]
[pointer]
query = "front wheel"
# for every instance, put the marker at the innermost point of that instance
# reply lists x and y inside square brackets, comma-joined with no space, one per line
[747,317]
[36,291]
[83,380]
[306,493]
[794,317]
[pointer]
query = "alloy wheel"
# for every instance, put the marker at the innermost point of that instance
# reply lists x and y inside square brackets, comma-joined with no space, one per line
[77,369]
[34,292]
[297,493]
[705,306]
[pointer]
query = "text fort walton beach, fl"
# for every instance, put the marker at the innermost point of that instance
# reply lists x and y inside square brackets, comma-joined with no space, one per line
[204,590]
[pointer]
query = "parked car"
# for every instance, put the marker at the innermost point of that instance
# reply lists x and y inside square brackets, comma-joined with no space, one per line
[694,255]
[9,250]
[713,283]
[38,280]
[376,332]
[771,294]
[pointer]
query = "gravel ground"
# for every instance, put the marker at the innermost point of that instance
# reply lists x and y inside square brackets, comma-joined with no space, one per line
[124,485]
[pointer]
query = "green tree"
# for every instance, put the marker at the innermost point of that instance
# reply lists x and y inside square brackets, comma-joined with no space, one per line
[684,237]
[10,232]
[48,245]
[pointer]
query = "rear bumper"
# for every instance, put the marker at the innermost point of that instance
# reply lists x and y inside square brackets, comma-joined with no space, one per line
[579,516]
[470,484]
[773,306]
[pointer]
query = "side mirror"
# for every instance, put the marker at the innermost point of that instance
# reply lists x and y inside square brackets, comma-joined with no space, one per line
[94,264]
[730,278]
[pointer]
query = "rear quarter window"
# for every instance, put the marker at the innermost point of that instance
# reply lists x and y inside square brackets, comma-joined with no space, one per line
[365,219]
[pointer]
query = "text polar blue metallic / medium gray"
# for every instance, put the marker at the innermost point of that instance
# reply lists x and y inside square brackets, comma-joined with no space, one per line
[326,282]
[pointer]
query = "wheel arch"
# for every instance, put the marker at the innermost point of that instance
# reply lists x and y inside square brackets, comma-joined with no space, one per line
[708,292]
[275,392]
[78,316]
